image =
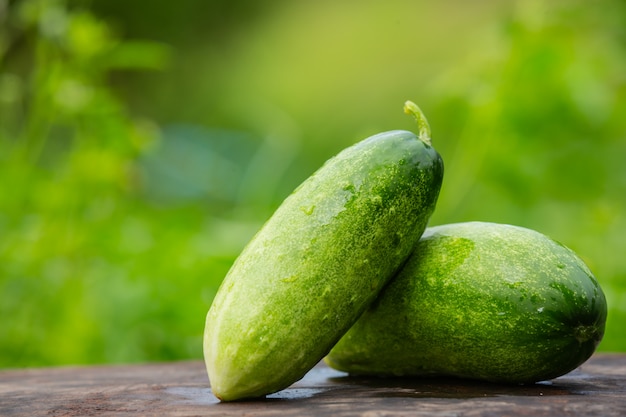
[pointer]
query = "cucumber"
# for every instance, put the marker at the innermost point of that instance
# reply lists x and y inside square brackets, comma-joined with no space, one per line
[318,262]
[484,301]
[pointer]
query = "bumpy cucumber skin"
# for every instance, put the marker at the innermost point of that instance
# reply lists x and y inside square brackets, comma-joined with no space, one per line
[318,262]
[483,301]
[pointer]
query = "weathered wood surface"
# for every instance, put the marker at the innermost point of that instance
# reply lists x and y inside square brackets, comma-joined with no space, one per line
[598,388]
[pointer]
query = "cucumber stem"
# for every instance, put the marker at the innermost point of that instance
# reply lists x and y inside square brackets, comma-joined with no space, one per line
[585,333]
[423,133]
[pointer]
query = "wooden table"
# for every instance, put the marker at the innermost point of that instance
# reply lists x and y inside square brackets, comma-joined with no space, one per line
[597,388]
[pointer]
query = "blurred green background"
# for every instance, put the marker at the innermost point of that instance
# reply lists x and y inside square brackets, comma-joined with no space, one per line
[143,143]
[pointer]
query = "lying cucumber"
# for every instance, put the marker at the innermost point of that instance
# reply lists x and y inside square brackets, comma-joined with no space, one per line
[483,301]
[319,261]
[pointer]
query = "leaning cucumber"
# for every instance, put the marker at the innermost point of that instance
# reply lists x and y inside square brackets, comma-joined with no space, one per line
[319,261]
[484,301]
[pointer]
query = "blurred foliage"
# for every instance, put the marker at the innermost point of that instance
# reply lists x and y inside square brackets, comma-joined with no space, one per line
[141,146]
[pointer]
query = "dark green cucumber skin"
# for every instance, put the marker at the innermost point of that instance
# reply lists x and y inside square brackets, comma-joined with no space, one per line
[483,301]
[318,262]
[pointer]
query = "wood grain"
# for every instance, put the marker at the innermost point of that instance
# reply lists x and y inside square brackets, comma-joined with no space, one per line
[597,388]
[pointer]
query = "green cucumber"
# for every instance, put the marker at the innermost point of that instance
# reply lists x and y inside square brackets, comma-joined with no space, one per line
[318,262]
[483,301]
